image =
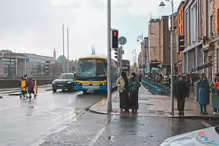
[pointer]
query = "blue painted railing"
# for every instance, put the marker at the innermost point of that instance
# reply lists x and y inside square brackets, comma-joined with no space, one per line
[156,88]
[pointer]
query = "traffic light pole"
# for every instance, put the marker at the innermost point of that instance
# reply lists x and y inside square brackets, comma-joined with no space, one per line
[109,81]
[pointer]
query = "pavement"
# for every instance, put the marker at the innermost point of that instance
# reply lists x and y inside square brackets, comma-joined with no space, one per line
[63,119]
[24,123]
[121,130]
[155,106]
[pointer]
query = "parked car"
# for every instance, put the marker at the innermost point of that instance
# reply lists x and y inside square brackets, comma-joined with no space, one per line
[64,81]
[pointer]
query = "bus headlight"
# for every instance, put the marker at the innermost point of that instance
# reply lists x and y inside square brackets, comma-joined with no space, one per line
[104,83]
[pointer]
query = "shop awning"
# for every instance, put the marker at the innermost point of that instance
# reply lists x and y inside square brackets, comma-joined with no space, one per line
[200,67]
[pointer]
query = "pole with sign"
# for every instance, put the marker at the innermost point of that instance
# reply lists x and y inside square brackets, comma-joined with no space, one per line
[122,42]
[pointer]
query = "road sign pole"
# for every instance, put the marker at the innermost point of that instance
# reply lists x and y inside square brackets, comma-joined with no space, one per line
[120,61]
[109,81]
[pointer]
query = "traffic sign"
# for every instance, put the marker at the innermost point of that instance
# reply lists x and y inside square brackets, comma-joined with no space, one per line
[122,40]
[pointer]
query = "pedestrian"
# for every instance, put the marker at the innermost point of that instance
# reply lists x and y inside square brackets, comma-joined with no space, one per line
[188,84]
[180,95]
[140,75]
[122,87]
[30,86]
[23,86]
[204,91]
[134,86]
[215,94]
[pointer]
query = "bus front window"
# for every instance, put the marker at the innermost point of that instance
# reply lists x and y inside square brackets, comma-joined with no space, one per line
[91,68]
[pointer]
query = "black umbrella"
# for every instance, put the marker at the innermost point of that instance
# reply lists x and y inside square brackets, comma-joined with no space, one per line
[207,65]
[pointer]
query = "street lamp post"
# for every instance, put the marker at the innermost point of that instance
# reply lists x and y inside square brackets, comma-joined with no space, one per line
[63,45]
[162,4]
[68,50]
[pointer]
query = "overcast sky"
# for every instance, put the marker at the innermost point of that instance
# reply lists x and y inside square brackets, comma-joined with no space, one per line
[35,26]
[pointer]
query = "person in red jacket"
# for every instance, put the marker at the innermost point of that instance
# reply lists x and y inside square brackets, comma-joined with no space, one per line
[30,86]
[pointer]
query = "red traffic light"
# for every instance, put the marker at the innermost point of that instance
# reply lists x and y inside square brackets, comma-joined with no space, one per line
[115,33]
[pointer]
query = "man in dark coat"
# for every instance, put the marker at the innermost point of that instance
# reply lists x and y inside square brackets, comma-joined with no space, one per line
[180,95]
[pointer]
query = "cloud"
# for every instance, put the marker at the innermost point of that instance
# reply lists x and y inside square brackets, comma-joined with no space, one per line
[36,25]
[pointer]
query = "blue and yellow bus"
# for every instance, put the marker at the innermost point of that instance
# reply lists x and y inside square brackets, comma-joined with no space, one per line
[91,73]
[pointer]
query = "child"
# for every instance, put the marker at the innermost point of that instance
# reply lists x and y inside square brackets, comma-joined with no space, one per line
[23,85]
[36,88]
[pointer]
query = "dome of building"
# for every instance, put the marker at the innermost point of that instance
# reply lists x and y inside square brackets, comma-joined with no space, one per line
[61,58]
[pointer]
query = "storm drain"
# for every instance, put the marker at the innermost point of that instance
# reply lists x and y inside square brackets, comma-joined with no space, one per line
[150,104]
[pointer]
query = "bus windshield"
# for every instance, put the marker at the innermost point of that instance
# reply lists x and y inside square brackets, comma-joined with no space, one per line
[91,69]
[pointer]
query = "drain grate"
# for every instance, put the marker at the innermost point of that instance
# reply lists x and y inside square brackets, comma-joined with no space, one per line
[151,111]
[150,104]
[157,112]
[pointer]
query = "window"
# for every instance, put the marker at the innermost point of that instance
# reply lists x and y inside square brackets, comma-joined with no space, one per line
[5,70]
[217,21]
[66,76]
[91,68]
[211,24]
[217,61]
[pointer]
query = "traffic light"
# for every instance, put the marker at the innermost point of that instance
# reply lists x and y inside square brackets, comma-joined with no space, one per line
[115,39]
[181,42]
[116,53]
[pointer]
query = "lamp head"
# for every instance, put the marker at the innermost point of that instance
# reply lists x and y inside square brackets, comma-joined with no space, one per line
[162,4]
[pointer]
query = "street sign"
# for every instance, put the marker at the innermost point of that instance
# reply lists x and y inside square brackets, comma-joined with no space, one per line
[122,40]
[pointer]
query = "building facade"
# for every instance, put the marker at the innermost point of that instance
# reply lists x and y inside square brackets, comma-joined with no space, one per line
[144,52]
[201,30]
[194,24]
[16,64]
[159,42]
[211,39]
[140,59]
[179,31]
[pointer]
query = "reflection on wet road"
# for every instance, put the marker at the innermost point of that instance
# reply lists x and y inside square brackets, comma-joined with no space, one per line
[102,130]
[24,122]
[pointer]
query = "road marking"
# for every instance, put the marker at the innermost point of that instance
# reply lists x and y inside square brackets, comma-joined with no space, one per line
[6,108]
[93,141]
[206,124]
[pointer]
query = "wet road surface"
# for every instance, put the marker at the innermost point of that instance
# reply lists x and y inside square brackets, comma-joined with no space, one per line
[23,123]
[102,130]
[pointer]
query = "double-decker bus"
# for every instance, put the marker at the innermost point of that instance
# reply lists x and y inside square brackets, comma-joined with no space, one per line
[126,66]
[91,73]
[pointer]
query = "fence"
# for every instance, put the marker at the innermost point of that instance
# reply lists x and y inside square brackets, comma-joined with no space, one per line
[156,88]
